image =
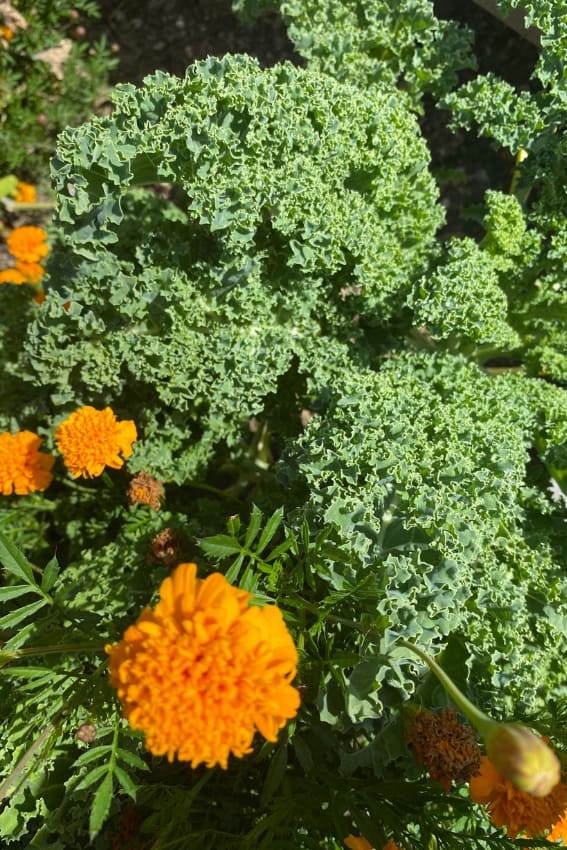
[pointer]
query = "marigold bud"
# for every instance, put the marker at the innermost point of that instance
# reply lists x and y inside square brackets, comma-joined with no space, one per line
[523,758]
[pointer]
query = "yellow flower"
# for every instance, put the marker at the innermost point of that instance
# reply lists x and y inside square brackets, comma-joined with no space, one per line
[6,33]
[32,272]
[12,276]
[23,468]
[28,243]
[91,439]
[518,811]
[24,193]
[203,670]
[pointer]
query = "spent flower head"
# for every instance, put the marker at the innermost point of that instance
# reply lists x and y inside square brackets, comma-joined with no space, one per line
[204,670]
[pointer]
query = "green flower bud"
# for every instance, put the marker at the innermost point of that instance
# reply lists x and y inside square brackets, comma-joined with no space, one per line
[523,758]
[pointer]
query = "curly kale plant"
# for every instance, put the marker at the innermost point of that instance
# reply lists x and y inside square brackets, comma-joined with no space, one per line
[305,209]
[532,124]
[375,41]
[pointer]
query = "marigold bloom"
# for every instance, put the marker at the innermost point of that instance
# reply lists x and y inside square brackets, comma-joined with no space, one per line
[91,439]
[559,831]
[28,243]
[12,276]
[203,670]
[354,842]
[446,747]
[32,272]
[6,33]
[518,811]
[357,842]
[24,193]
[23,468]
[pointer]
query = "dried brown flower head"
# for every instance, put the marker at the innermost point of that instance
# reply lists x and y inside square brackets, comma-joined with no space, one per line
[444,745]
[86,733]
[144,489]
[165,548]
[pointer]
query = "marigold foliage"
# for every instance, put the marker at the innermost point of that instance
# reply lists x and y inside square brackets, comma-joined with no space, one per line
[203,670]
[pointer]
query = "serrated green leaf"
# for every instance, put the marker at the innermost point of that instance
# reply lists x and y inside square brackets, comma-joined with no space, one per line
[126,782]
[25,672]
[19,638]
[220,546]
[92,754]
[100,806]
[15,617]
[93,776]
[253,526]
[13,591]
[281,549]
[50,574]
[131,758]
[233,571]
[270,529]
[15,562]
[275,775]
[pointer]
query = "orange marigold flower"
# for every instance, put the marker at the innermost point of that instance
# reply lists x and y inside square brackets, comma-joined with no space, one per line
[518,811]
[28,243]
[12,276]
[559,831]
[32,272]
[91,439]
[6,33]
[23,468]
[24,193]
[354,842]
[446,747]
[203,670]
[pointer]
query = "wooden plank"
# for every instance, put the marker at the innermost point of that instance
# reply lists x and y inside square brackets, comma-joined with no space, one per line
[514,20]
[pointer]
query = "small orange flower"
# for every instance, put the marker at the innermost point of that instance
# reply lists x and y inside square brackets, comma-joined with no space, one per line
[32,272]
[559,831]
[24,193]
[6,33]
[28,243]
[354,842]
[23,468]
[357,842]
[12,276]
[91,439]
[518,811]
[205,669]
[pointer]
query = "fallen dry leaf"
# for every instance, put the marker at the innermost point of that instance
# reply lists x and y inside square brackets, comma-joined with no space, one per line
[11,17]
[56,56]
